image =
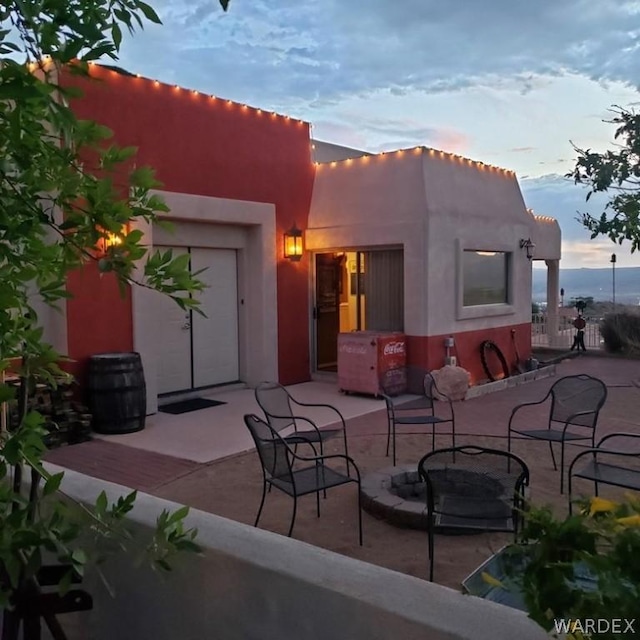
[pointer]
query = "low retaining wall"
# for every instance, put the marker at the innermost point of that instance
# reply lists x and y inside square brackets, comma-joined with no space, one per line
[511,381]
[254,584]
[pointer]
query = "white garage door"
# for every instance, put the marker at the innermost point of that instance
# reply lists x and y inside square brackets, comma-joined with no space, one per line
[197,351]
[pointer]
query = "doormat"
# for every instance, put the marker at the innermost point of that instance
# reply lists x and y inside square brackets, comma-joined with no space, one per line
[185,406]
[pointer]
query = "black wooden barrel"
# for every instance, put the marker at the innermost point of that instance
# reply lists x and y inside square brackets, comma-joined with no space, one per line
[117,394]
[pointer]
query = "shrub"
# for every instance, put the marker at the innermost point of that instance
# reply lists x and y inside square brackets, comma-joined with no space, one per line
[621,332]
[581,568]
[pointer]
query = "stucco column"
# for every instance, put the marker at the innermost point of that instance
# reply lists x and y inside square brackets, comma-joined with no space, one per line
[553,291]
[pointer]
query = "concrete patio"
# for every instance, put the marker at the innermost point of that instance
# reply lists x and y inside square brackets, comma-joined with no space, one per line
[197,459]
[229,483]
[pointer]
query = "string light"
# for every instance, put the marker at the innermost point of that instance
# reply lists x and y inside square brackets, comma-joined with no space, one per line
[545,219]
[97,68]
[477,164]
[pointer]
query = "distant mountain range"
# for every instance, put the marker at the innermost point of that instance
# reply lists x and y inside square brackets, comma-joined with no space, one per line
[592,282]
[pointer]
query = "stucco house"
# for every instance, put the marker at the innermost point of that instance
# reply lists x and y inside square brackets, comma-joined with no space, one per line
[418,240]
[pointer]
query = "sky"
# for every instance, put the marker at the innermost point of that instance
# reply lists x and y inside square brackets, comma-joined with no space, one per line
[512,83]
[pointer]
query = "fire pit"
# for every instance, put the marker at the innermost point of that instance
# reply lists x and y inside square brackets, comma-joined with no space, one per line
[398,495]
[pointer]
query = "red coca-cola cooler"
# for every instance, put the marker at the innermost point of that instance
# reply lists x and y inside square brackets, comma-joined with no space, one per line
[372,362]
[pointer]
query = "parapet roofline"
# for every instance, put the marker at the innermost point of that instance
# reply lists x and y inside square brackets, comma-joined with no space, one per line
[118,71]
[419,150]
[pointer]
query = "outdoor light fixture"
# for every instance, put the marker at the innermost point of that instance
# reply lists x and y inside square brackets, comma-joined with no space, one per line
[293,244]
[529,246]
[110,240]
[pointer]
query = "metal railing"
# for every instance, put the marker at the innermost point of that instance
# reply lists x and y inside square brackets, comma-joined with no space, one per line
[566,332]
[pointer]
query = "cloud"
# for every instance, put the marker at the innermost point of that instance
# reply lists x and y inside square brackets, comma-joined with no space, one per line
[324,51]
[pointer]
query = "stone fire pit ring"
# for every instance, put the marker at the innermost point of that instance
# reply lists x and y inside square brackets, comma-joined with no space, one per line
[379,495]
[398,494]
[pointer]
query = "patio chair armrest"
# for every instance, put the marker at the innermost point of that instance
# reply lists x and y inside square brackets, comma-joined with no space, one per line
[620,434]
[307,420]
[302,439]
[523,405]
[325,406]
[341,456]
[596,451]
[331,456]
[584,452]
[293,420]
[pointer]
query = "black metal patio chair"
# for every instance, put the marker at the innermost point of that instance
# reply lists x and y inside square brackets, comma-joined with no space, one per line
[472,489]
[281,469]
[575,401]
[617,465]
[281,411]
[418,410]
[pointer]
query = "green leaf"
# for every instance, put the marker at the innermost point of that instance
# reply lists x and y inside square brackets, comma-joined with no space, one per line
[116,34]
[52,484]
[178,514]
[148,12]
[101,504]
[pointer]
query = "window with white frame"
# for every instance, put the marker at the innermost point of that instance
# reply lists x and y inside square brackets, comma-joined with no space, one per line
[485,277]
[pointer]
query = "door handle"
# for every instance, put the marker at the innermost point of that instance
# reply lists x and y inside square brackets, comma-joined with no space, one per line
[186,326]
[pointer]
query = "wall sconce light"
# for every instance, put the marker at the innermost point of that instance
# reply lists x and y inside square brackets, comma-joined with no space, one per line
[528,246]
[110,240]
[293,244]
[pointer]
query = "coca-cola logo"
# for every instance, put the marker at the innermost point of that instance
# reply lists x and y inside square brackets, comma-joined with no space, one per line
[392,348]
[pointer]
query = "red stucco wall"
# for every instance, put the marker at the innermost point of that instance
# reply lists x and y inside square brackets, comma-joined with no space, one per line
[98,317]
[430,352]
[204,146]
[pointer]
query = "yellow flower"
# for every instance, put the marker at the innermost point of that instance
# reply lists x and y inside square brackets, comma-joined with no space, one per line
[630,521]
[489,579]
[600,505]
[633,500]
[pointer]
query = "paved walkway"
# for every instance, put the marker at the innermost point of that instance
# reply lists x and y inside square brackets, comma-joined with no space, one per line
[174,446]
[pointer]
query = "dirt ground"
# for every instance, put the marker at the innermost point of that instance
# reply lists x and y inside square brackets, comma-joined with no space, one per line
[234,490]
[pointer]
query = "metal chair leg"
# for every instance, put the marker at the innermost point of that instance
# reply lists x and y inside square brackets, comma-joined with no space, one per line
[553,457]
[264,495]
[570,490]
[293,515]
[359,515]
[562,467]
[393,442]
[430,544]
[388,435]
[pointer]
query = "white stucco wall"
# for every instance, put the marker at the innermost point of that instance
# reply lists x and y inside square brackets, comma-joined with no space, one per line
[253,584]
[433,205]
[327,151]
[547,238]
[375,201]
[472,206]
